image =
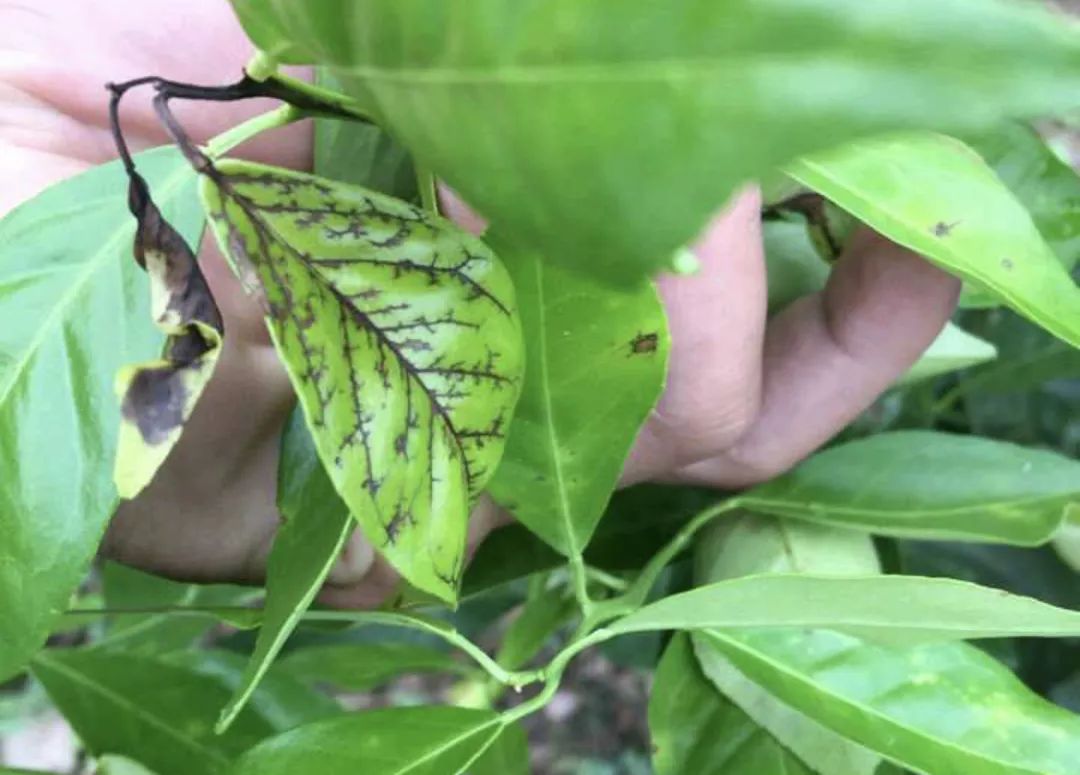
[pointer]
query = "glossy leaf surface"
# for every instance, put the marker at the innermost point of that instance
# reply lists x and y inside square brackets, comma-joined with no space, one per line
[597,360]
[945,708]
[75,311]
[927,484]
[935,195]
[401,337]
[544,114]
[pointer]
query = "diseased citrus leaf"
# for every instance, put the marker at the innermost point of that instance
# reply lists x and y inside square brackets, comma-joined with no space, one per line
[695,729]
[597,361]
[545,115]
[929,485]
[75,310]
[158,397]
[936,196]
[315,527]
[400,334]
[418,741]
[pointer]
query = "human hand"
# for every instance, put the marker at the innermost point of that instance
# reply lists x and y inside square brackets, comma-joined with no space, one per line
[746,398]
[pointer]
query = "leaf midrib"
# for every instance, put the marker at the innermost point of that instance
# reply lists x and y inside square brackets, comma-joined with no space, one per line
[93,265]
[565,509]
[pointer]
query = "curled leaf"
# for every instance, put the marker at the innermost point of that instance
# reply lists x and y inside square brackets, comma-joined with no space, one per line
[158,397]
[402,340]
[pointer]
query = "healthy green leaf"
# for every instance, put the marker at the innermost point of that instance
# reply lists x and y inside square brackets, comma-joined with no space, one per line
[928,485]
[364,666]
[401,337]
[937,703]
[157,398]
[597,360]
[390,741]
[937,197]
[284,701]
[315,527]
[545,115]
[508,755]
[752,544]
[890,609]
[1047,187]
[159,714]
[75,310]
[944,708]
[697,730]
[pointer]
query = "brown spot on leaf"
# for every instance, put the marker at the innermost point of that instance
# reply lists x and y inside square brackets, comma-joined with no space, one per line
[942,229]
[644,343]
[1007,264]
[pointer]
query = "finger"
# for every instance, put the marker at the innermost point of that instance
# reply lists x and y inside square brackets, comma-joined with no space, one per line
[717,322]
[830,355]
[351,584]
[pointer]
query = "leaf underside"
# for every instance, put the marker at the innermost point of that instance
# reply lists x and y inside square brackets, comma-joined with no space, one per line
[401,337]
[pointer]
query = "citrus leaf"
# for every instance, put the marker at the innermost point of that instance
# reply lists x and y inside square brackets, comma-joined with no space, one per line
[598,358]
[315,527]
[390,741]
[936,196]
[400,335]
[508,755]
[696,729]
[158,397]
[1047,187]
[365,666]
[545,114]
[159,714]
[920,484]
[889,609]
[752,544]
[943,708]
[75,311]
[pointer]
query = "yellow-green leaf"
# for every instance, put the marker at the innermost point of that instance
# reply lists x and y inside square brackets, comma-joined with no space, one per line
[402,340]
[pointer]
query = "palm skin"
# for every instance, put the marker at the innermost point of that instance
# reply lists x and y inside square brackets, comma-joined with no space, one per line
[746,399]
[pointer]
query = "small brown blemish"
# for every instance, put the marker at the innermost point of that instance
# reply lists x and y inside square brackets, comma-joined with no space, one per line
[1007,264]
[942,229]
[644,343]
